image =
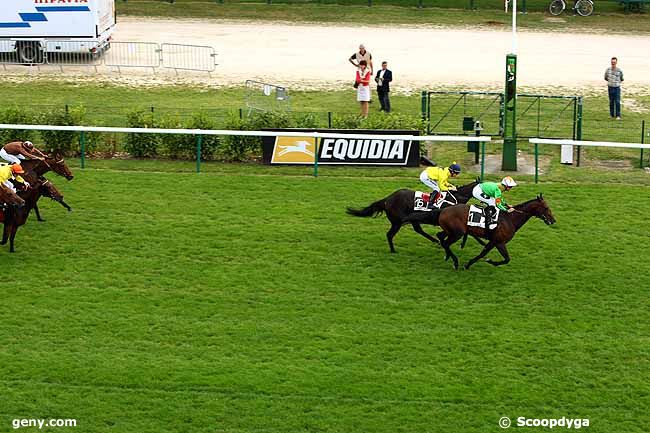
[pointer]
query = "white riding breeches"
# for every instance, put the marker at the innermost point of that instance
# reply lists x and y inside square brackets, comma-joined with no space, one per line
[10,158]
[9,185]
[477,192]
[424,178]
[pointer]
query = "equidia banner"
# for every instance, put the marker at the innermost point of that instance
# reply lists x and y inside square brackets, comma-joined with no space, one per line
[342,151]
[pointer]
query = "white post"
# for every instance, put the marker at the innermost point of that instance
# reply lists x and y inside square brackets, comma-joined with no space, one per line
[514,26]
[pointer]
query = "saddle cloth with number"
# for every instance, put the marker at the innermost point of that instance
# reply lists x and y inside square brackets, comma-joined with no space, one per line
[476,218]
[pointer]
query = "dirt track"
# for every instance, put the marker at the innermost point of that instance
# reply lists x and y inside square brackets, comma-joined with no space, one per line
[419,57]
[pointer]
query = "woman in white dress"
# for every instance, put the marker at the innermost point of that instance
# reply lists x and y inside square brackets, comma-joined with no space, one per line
[363,87]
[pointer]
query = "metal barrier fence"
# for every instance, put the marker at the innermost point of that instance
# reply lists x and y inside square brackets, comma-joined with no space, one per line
[133,55]
[547,116]
[72,53]
[114,55]
[188,57]
[20,53]
[266,97]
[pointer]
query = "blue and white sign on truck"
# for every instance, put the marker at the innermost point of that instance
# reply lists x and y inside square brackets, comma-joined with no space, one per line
[33,28]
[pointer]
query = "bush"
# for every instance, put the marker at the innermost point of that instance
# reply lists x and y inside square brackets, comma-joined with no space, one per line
[19,116]
[238,147]
[141,145]
[62,142]
[209,143]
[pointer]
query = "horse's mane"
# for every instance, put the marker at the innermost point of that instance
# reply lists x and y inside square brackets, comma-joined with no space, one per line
[520,205]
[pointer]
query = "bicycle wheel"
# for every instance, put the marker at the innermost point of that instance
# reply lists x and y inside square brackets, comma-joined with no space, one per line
[556,7]
[584,7]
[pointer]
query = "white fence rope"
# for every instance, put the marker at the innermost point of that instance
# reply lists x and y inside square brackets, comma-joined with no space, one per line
[454,138]
[589,143]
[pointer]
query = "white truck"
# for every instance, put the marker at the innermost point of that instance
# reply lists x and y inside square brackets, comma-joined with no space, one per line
[30,30]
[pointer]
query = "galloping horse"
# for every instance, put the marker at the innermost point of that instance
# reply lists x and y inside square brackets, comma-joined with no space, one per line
[453,220]
[50,163]
[35,169]
[399,205]
[9,198]
[15,217]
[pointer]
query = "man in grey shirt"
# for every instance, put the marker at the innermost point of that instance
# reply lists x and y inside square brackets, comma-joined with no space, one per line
[614,78]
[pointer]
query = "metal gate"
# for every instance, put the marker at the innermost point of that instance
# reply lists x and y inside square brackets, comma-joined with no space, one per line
[188,57]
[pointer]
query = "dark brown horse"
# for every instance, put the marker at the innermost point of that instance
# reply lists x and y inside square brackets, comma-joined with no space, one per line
[35,169]
[50,163]
[453,221]
[15,217]
[399,206]
[9,198]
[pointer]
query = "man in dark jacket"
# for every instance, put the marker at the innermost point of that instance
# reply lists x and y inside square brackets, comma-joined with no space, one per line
[383,78]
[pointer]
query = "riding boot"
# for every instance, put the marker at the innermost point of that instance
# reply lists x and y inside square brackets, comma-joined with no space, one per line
[432,199]
[489,213]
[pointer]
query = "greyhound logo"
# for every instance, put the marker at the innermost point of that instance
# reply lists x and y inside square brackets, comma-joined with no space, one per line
[293,150]
[300,146]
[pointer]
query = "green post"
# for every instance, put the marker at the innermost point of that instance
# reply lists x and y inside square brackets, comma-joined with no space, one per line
[199,140]
[482,160]
[536,163]
[509,158]
[579,130]
[642,142]
[82,143]
[315,156]
[424,108]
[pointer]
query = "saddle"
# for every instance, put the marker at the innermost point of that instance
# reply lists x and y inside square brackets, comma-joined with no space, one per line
[476,218]
[423,201]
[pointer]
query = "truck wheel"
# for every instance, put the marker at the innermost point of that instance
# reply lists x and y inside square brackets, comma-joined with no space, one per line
[29,52]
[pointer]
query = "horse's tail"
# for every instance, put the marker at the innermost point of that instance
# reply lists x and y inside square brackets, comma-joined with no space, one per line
[373,209]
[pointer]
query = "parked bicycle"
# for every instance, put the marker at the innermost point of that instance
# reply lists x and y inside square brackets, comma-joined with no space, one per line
[584,8]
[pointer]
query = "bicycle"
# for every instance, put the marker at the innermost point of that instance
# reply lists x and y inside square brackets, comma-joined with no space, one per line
[584,8]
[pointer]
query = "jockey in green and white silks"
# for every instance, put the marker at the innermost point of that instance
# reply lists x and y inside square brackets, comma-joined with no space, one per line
[490,194]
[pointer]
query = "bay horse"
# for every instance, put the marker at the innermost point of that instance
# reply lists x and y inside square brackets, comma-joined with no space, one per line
[38,168]
[453,221]
[9,198]
[398,206]
[15,217]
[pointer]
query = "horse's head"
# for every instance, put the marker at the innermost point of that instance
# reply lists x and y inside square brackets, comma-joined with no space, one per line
[540,209]
[58,165]
[47,189]
[10,198]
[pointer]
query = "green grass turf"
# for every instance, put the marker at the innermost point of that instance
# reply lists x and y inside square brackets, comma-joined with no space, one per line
[244,300]
[608,15]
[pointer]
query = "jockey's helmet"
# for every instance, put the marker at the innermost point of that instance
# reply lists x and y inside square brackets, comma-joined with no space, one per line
[454,168]
[17,169]
[508,182]
[28,145]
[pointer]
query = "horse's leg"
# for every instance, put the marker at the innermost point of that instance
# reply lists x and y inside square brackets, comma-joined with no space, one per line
[479,240]
[418,229]
[486,250]
[462,244]
[504,252]
[394,228]
[14,229]
[446,245]
[441,236]
[38,214]
[5,234]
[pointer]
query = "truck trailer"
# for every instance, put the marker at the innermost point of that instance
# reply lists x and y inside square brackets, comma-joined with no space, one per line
[30,30]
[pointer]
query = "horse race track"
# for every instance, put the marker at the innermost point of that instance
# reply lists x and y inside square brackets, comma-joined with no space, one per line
[244,303]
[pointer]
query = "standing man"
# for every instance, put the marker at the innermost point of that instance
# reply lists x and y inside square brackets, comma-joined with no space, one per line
[614,78]
[360,55]
[383,79]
